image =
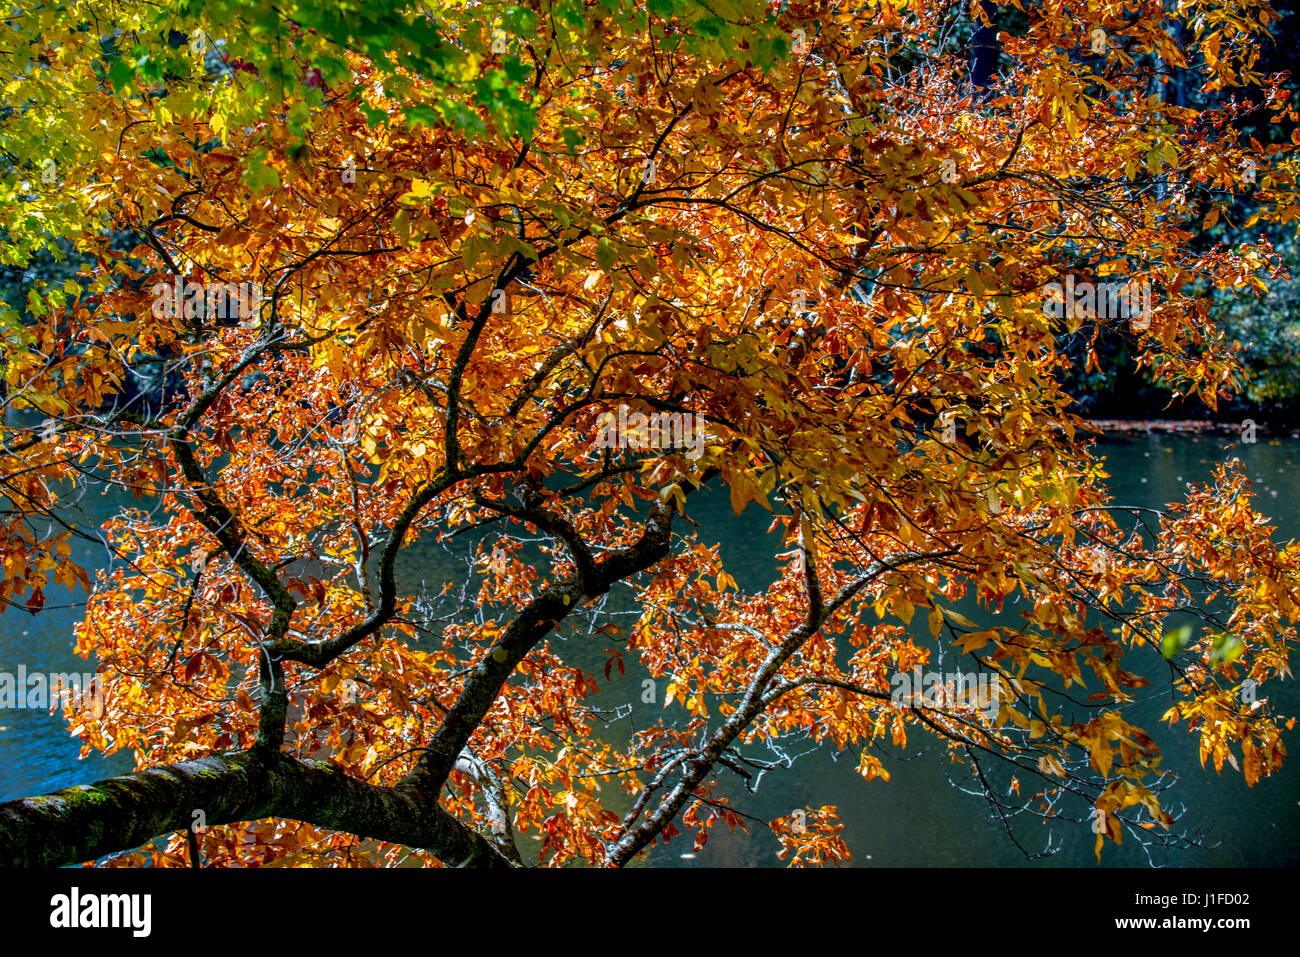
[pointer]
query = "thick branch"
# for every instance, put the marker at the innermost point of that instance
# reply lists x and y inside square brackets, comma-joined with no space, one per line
[87,821]
[524,634]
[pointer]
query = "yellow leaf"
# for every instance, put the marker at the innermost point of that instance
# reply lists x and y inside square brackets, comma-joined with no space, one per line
[974,641]
[959,618]
[870,768]
[1050,764]
[903,609]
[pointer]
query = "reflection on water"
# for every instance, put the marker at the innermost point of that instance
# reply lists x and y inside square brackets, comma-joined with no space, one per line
[918,818]
[37,754]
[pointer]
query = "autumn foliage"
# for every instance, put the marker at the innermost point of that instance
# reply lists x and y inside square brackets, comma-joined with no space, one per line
[742,213]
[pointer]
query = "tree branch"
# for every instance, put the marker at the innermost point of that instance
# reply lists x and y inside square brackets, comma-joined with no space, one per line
[88,821]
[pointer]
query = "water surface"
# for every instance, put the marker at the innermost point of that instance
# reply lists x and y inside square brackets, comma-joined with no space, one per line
[918,818]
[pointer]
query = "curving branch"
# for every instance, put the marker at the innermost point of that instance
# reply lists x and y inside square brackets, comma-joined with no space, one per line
[88,821]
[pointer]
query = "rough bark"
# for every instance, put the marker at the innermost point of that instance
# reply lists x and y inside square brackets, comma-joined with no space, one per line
[87,821]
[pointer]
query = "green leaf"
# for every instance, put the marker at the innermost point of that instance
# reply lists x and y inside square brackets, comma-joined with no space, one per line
[120,75]
[260,174]
[710,26]
[520,21]
[1227,648]
[1175,641]
[606,255]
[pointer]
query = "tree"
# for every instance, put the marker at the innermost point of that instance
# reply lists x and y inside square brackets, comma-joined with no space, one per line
[797,228]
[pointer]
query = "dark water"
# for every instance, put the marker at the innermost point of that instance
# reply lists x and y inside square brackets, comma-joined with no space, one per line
[918,818]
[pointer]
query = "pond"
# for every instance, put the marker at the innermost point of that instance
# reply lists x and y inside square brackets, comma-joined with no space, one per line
[918,818]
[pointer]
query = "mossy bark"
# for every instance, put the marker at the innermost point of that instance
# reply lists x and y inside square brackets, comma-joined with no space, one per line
[87,821]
